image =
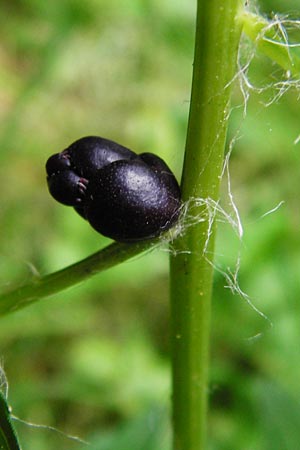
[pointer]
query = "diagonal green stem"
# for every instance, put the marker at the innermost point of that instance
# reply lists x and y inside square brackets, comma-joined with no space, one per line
[217,40]
[271,43]
[76,273]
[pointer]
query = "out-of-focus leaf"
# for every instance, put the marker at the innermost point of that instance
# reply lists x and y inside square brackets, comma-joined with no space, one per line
[278,414]
[148,432]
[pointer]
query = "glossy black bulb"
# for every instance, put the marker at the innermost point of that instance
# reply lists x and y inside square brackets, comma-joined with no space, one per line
[124,196]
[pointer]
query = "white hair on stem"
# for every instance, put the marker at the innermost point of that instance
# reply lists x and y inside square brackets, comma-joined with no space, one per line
[212,210]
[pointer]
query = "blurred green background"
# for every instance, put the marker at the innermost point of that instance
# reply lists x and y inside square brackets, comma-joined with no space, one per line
[94,361]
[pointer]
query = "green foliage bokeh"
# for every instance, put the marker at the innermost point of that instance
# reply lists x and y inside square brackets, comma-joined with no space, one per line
[94,361]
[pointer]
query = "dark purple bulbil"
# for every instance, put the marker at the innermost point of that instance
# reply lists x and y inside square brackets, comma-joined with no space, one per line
[124,196]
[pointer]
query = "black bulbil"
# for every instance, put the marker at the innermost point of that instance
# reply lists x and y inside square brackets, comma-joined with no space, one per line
[124,196]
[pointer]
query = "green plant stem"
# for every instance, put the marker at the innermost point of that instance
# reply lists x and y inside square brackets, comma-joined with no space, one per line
[76,273]
[217,40]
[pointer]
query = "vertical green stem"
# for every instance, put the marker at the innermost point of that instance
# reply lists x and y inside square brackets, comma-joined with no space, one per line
[217,40]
